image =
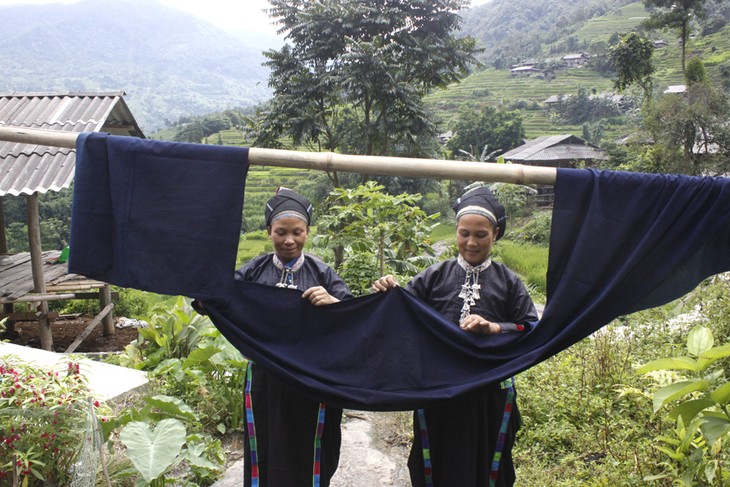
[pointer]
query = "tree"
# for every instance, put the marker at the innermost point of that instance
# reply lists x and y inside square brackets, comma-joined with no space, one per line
[372,225]
[632,59]
[690,130]
[488,132]
[353,73]
[673,14]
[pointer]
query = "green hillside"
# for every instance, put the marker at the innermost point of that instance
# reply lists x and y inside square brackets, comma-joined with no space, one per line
[491,87]
[624,19]
[498,88]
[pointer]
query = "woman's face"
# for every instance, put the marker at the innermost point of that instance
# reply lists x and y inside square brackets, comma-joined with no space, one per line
[288,234]
[475,236]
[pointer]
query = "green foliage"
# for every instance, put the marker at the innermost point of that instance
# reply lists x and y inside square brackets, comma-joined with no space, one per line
[42,417]
[515,32]
[535,231]
[153,451]
[481,135]
[582,108]
[576,431]
[700,396]
[391,229]
[359,88]
[632,60]
[131,303]
[669,14]
[193,361]
[157,442]
[695,72]
[529,261]
[691,131]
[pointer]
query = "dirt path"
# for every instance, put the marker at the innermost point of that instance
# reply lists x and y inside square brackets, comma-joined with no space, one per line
[365,459]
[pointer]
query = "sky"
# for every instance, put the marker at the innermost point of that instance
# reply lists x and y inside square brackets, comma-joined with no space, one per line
[226,14]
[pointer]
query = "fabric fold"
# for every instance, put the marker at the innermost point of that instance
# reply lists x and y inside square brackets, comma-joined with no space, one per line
[620,242]
[157,216]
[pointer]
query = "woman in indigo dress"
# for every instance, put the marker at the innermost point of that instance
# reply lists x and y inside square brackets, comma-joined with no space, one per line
[290,439]
[467,441]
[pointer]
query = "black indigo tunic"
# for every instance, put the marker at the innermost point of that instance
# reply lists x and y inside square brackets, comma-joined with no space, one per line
[463,431]
[285,420]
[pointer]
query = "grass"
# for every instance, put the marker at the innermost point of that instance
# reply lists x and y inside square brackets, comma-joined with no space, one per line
[529,261]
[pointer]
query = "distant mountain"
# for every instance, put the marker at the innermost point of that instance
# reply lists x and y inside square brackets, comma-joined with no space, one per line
[170,63]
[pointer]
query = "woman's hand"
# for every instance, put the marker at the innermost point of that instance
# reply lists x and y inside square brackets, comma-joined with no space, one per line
[319,296]
[477,324]
[384,283]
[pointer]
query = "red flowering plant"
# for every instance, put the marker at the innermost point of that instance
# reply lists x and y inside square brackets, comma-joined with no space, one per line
[43,416]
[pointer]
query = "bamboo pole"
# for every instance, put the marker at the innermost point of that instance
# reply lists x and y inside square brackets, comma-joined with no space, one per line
[332,162]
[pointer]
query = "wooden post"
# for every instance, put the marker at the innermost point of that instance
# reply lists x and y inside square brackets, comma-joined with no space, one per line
[7,307]
[3,236]
[36,261]
[105,298]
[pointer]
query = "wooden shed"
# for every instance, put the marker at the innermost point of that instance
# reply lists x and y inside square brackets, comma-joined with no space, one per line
[30,170]
[555,151]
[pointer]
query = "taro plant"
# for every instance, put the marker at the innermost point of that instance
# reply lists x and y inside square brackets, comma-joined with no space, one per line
[173,333]
[699,397]
[193,361]
[157,441]
[43,414]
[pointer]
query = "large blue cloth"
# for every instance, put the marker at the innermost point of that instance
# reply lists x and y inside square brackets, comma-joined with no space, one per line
[620,242]
[157,216]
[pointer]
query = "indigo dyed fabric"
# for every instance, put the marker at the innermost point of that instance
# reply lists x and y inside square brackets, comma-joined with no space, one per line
[620,242]
[157,216]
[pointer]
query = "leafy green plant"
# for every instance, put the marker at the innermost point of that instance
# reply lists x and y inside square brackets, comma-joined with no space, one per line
[42,417]
[193,361]
[700,400]
[172,333]
[367,220]
[157,441]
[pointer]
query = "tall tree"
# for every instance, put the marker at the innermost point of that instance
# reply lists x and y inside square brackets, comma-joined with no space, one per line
[353,73]
[632,59]
[691,129]
[676,14]
[490,132]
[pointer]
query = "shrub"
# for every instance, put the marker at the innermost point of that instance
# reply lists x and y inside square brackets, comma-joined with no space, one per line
[43,415]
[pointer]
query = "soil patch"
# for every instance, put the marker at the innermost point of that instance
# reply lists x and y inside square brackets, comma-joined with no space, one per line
[66,329]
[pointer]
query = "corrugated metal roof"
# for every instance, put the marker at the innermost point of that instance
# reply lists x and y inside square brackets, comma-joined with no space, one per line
[26,168]
[554,148]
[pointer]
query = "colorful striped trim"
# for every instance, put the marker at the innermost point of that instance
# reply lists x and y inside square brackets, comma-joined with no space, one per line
[251,428]
[508,384]
[426,450]
[317,464]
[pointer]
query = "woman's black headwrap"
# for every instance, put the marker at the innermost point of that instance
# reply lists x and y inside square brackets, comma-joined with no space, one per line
[481,201]
[286,200]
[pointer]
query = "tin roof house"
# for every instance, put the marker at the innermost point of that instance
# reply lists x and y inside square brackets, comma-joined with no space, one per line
[30,170]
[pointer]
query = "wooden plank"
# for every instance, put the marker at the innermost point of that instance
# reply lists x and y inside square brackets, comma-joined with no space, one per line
[36,298]
[28,316]
[73,287]
[115,295]
[97,319]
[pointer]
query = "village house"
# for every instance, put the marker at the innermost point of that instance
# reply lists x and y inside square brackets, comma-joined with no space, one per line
[555,151]
[575,60]
[525,71]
